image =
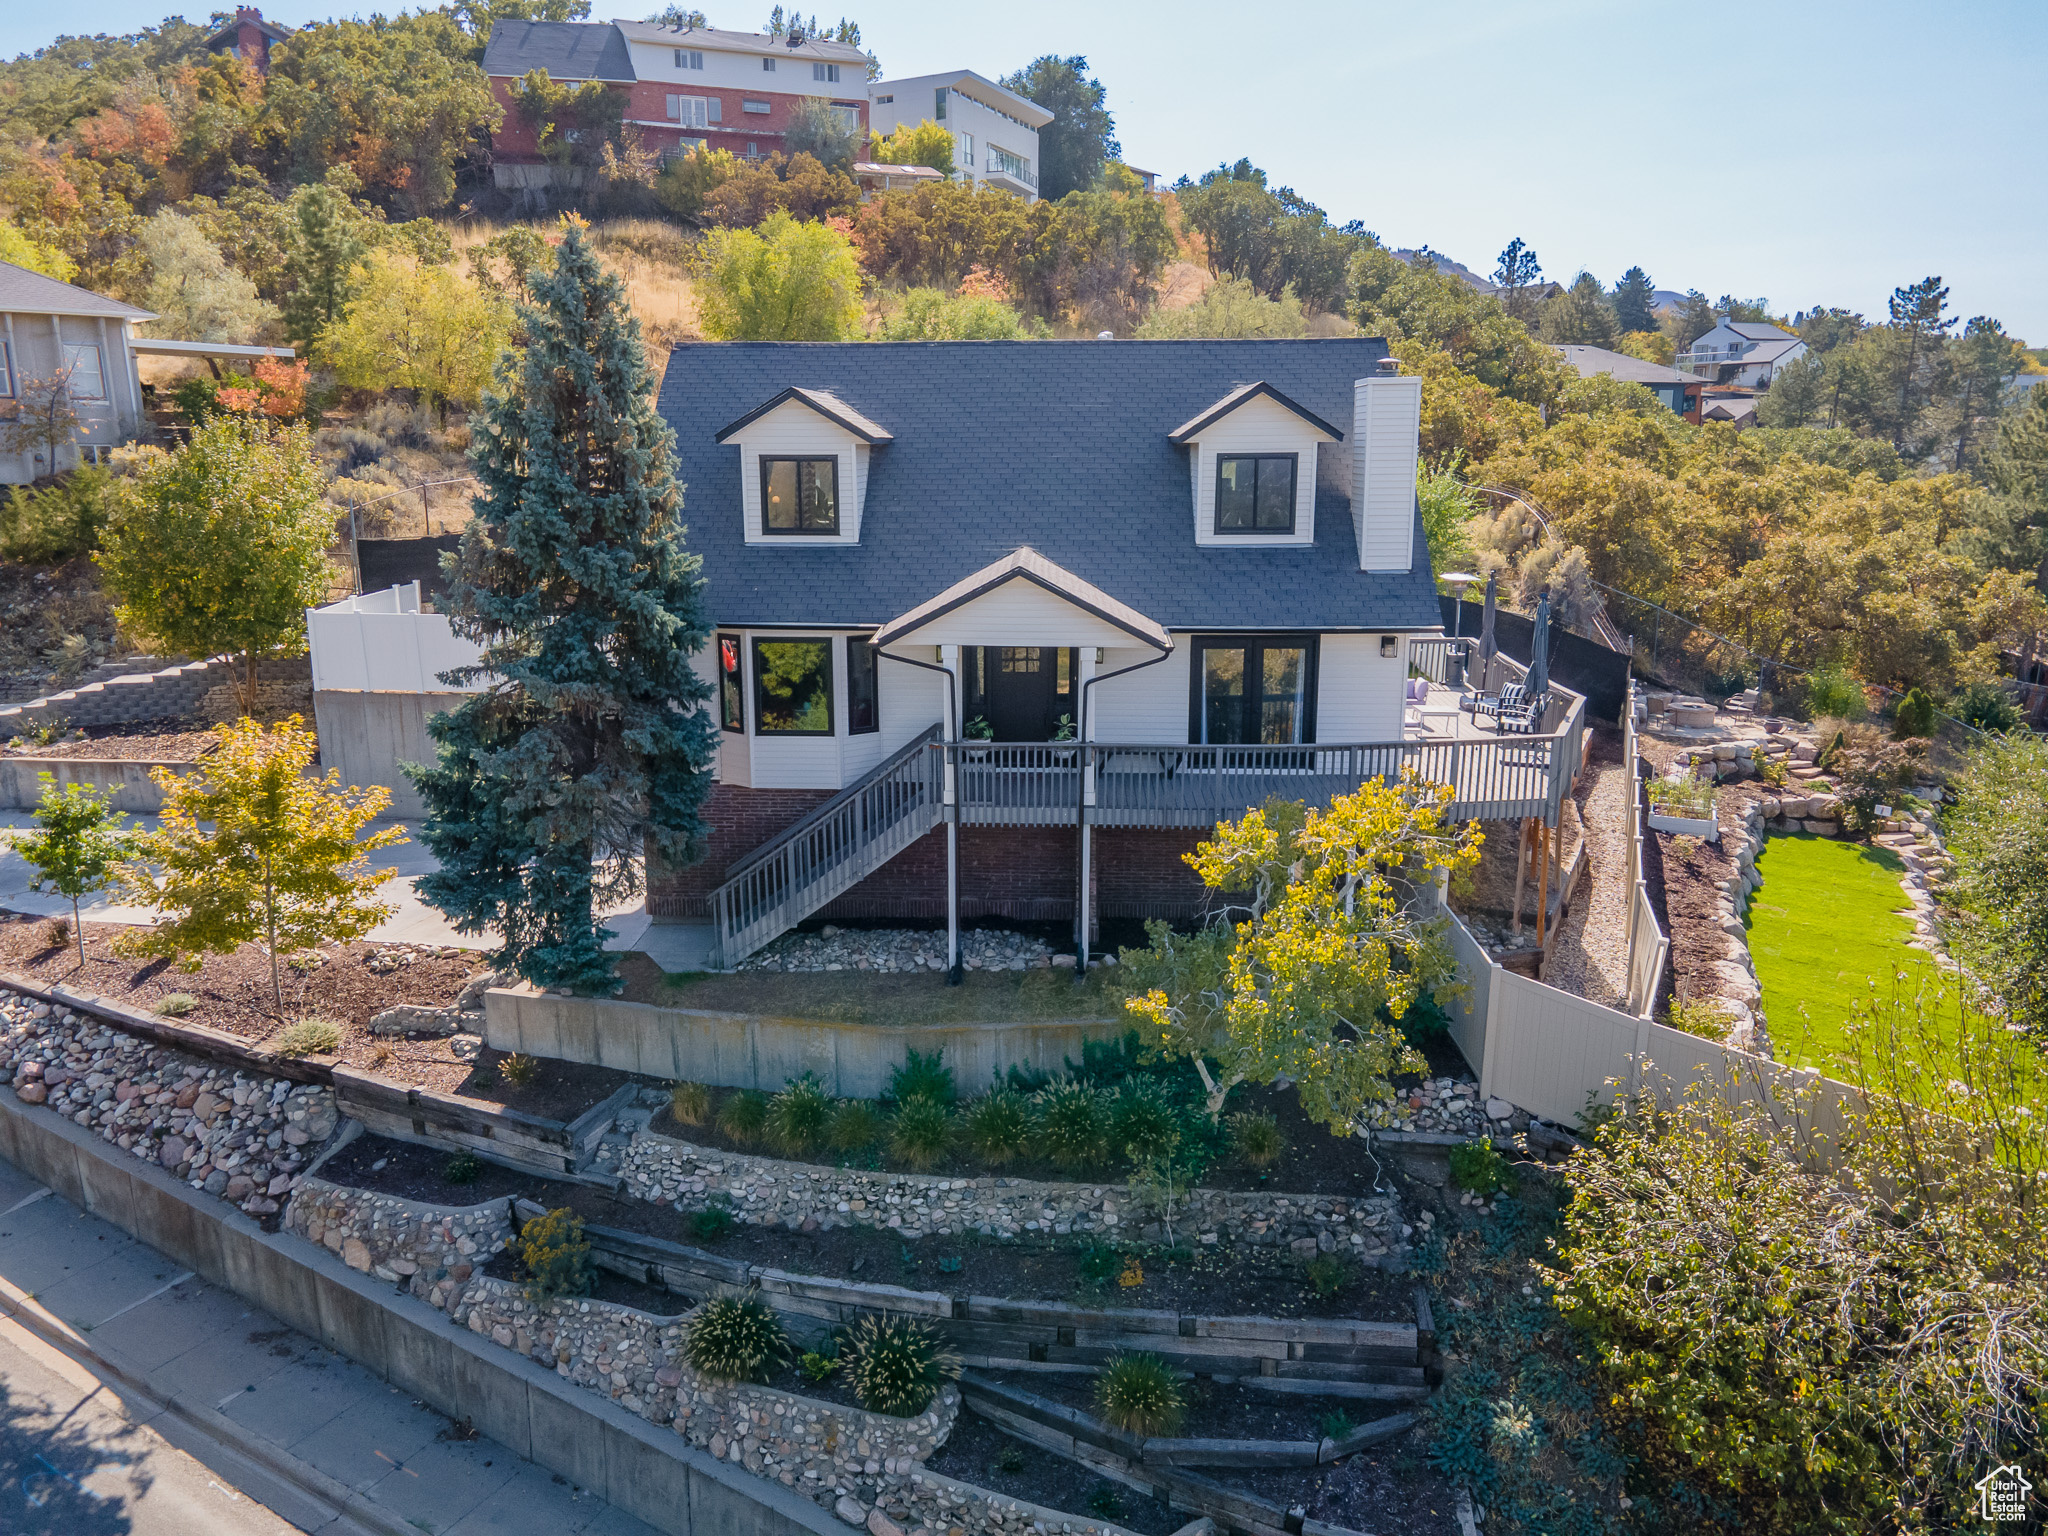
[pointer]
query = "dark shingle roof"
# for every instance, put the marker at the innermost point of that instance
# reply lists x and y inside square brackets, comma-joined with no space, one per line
[567,50]
[23,292]
[1056,445]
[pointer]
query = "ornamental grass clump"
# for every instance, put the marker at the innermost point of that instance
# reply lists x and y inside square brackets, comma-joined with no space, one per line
[1143,1122]
[556,1256]
[798,1116]
[736,1337]
[920,1133]
[1255,1140]
[896,1365]
[309,1037]
[689,1103]
[997,1126]
[856,1125]
[1070,1125]
[743,1117]
[1137,1393]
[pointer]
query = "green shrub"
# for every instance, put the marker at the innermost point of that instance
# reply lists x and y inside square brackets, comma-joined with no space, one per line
[1099,1264]
[743,1117]
[712,1222]
[1479,1167]
[1329,1275]
[175,1005]
[462,1168]
[556,1256]
[1704,1017]
[1987,706]
[1069,1125]
[1142,1121]
[997,1126]
[896,1365]
[1255,1140]
[1105,1499]
[1425,1019]
[921,1077]
[1336,1425]
[1137,1393]
[856,1125]
[735,1337]
[59,522]
[797,1116]
[1831,691]
[520,1069]
[309,1037]
[920,1132]
[689,1103]
[1914,717]
[816,1367]
[1009,1459]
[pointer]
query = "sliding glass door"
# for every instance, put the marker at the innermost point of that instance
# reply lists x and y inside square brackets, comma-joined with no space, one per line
[1253,690]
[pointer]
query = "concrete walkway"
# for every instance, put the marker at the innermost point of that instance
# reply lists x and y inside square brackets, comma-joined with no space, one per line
[672,946]
[277,1418]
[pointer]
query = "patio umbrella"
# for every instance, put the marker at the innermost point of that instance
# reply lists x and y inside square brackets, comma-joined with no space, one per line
[1489,647]
[1538,680]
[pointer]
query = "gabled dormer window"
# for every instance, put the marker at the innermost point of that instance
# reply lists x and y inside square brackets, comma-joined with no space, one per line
[800,496]
[1252,459]
[1255,492]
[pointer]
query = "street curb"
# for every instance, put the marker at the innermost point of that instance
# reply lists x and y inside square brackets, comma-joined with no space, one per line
[348,1505]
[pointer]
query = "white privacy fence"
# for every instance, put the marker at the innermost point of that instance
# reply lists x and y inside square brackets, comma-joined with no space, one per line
[380,642]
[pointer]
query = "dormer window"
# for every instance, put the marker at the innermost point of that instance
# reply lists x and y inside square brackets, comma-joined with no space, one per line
[800,496]
[1255,492]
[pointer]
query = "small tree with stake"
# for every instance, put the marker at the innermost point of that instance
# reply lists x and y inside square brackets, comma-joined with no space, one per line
[588,743]
[80,846]
[250,850]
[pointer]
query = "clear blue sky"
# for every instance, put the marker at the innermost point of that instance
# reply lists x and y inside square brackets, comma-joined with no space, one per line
[1811,151]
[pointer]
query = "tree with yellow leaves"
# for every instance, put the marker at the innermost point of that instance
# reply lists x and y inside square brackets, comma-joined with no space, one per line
[250,849]
[418,327]
[1330,953]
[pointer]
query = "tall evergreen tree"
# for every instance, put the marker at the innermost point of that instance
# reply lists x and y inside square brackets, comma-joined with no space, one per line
[589,742]
[1519,270]
[1918,326]
[1635,301]
[1082,134]
[1580,315]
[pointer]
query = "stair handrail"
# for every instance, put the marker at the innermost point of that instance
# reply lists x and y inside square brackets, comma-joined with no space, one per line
[924,739]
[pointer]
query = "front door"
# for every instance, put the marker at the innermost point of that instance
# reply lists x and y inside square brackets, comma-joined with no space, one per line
[1023,692]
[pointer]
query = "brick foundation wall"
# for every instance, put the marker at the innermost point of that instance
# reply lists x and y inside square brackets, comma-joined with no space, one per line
[740,820]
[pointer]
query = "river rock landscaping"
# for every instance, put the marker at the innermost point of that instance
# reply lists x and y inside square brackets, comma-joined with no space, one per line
[900,949]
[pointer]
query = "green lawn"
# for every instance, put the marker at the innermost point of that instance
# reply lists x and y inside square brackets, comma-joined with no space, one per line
[1826,923]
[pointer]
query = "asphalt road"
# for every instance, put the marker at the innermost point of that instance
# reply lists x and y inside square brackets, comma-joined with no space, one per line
[75,1463]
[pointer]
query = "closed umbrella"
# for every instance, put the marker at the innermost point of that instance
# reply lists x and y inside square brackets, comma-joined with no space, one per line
[1489,647]
[1538,681]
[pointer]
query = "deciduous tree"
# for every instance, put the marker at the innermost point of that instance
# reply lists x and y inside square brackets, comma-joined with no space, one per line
[427,329]
[588,743]
[786,281]
[197,296]
[78,845]
[925,143]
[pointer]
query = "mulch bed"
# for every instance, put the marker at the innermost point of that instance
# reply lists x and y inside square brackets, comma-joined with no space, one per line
[1314,1162]
[558,1090]
[1206,1280]
[1214,1412]
[153,741]
[234,990]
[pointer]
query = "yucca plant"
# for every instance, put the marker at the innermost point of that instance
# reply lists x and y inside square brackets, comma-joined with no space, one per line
[920,1132]
[1068,1122]
[797,1116]
[1137,1393]
[744,1116]
[896,1365]
[689,1103]
[856,1125]
[997,1126]
[1256,1140]
[736,1337]
[1142,1121]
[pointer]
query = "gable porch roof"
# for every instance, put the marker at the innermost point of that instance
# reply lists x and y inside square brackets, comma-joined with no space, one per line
[1030,566]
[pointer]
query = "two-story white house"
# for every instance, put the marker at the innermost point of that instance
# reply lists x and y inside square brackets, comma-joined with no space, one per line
[1744,353]
[995,131]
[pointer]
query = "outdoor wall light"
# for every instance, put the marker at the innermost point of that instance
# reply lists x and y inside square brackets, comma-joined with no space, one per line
[1390,646]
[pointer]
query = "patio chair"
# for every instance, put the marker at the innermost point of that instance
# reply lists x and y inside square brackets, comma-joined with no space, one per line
[1523,716]
[1416,696]
[1509,698]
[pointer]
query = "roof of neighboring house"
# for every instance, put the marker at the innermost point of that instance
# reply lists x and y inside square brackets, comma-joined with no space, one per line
[718,39]
[1771,351]
[1064,452]
[976,87]
[1589,361]
[231,33]
[567,50]
[1759,330]
[23,292]
[914,172]
[1737,408]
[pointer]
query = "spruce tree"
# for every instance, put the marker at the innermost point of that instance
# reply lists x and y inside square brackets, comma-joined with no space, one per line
[590,741]
[1635,298]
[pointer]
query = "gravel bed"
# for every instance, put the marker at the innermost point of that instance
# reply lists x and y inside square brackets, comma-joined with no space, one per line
[1591,954]
[900,949]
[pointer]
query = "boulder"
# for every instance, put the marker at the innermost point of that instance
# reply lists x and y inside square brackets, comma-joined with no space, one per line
[32,1093]
[1727,751]
[355,1255]
[173,1152]
[1824,807]
[851,1510]
[206,1105]
[240,1188]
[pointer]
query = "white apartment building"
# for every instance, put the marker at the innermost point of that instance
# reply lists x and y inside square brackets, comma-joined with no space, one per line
[995,131]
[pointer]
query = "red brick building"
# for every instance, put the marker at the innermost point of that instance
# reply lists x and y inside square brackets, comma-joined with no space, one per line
[684,87]
[250,36]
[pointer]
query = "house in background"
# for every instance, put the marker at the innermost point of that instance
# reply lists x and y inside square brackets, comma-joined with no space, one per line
[685,87]
[250,36]
[874,176]
[1743,353]
[995,131]
[1735,407]
[1679,391]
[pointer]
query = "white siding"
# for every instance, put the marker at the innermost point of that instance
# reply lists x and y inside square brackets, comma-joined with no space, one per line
[1151,705]
[1019,612]
[912,698]
[1258,426]
[358,649]
[1384,443]
[1358,692]
[792,429]
[742,71]
[915,101]
[32,340]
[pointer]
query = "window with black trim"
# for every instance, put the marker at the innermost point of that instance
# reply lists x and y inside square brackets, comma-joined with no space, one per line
[792,687]
[1255,492]
[863,687]
[800,495]
[1252,690]
[731,690]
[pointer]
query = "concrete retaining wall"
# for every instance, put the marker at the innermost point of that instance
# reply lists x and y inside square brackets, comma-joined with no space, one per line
[743,1050]
[634,1465]
[134,791]
[367,735]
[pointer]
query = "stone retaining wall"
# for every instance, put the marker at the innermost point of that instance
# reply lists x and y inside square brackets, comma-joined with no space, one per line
[236,1134]
[434,1249]
[768,1192]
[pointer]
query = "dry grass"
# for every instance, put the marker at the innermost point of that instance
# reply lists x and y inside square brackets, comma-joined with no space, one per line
[1183,283]
[865,997]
